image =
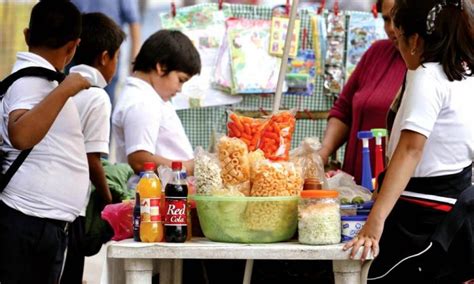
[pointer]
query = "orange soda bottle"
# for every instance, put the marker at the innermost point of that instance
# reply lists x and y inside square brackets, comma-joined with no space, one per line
[149,189]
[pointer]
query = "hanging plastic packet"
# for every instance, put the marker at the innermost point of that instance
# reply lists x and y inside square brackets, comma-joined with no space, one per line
[334,63]
[319,42]
[363,29]
[222,78]
[333,80]
[254,70]
[278,36]
[301,74]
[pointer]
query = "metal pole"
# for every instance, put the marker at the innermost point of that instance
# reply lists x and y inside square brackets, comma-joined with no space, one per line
[284,59]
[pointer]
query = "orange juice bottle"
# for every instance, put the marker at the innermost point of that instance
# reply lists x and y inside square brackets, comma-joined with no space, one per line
[149,189]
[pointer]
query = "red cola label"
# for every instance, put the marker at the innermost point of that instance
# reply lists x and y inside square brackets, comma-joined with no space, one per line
[175,212]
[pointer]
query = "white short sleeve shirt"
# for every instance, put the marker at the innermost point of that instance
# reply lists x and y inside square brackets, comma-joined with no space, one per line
[53,180]
[94,109]
[142,121]
[441,110]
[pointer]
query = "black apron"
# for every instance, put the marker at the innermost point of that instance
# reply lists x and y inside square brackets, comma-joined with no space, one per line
[426,245]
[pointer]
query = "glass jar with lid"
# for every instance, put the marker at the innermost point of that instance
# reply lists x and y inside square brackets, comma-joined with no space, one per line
[319,217]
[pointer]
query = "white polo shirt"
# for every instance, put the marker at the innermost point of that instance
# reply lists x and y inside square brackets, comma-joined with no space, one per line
[142,121]
[94,109]
[443,111]
[53,180]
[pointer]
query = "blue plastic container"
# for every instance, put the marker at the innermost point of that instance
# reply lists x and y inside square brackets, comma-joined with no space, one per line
[351,225]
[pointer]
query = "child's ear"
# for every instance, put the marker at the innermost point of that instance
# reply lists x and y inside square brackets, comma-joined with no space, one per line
[72,45]
[160,69]
[26,33]
[104,58]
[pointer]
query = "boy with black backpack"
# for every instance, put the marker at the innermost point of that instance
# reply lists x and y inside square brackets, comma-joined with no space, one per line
[96,59]
[50,187]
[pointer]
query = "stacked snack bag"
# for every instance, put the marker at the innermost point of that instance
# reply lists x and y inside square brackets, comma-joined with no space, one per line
[253,160]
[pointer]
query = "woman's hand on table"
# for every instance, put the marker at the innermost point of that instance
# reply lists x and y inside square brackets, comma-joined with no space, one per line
[368,237]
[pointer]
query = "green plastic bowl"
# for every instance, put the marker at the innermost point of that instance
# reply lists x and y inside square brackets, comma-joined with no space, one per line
[247,219]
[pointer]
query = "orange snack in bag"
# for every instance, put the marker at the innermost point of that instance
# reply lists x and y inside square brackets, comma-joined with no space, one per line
[276,136]
[246,129]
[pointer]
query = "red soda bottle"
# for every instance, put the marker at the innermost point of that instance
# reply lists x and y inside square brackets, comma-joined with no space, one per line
[176,194]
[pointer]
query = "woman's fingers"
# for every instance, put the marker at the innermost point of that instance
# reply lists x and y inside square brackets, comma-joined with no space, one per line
[367,248]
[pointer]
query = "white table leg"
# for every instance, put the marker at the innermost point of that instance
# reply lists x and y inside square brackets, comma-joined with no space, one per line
[248,271]
[138,271]
[177,271]
[364,274]
[166,270]
[347,271]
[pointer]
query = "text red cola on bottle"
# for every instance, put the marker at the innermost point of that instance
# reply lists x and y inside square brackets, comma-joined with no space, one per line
[176,193]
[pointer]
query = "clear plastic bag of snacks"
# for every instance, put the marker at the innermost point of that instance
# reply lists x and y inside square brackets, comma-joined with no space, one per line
[276,179]
[207,172]
[276,137]
[307,158]
[246,129]
[233,158]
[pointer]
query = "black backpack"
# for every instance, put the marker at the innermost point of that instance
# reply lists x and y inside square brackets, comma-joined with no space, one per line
[45,73]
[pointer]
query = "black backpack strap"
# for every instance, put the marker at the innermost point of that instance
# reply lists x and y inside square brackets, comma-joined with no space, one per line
[5,179]
[4,85]
[42,72]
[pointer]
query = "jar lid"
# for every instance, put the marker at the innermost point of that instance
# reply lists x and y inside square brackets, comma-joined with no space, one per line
[354,218]
[319,193]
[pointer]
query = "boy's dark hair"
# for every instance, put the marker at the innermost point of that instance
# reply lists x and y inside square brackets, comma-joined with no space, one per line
[99,34]
[53,23]
[448,34]
[172,49]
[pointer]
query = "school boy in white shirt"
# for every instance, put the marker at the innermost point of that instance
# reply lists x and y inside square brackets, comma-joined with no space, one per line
[49,189]
[145,125]
[96,59]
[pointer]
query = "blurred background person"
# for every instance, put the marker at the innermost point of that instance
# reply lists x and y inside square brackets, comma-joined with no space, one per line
[365,99]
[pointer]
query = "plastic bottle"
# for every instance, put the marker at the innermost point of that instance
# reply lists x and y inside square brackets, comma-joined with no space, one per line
[366,169]
[176,193]
[136,209]
[149,189]
[189,236]
[379,161]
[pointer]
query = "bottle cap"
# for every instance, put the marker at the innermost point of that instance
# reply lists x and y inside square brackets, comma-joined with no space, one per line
[149,166]
[365,134]
[176,165]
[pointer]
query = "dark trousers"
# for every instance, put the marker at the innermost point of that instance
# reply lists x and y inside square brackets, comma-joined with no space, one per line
[74,265]
[31,249]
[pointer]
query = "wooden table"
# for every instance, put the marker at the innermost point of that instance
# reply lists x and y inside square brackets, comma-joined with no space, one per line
[139,258]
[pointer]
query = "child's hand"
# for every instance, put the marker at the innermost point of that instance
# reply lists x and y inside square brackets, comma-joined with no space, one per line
[75,83]
[189,165]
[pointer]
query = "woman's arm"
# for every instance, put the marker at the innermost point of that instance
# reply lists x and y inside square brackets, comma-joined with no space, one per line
[335,135]
[399,171]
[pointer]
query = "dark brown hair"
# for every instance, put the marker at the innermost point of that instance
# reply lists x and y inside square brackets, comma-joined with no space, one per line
[172,49]
[451,42]
[53,24]
[99,33]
